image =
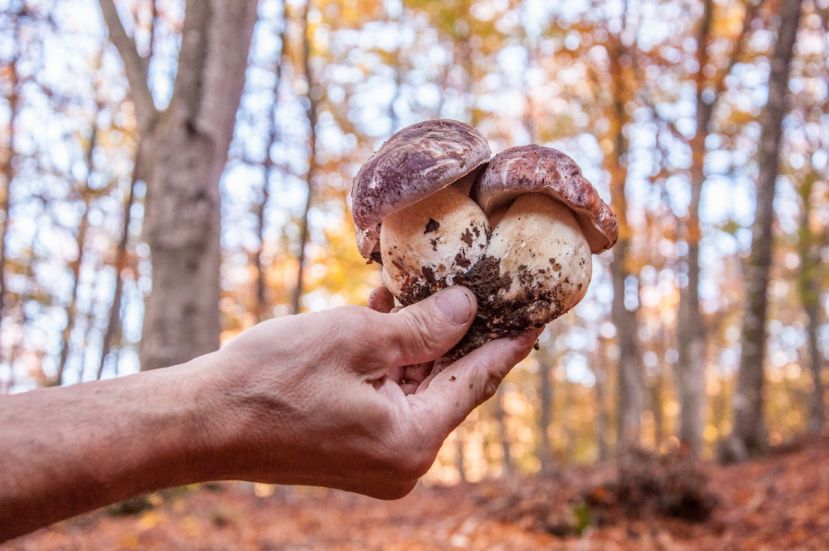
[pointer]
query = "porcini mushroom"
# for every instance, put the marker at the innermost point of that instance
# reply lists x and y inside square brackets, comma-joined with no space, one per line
[412,207]
[518,233]
[547,220]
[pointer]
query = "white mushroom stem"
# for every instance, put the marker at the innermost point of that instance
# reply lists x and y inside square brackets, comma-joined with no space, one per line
[543,249]
[432,241]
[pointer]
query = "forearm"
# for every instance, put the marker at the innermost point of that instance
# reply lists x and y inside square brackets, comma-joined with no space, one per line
[69,450]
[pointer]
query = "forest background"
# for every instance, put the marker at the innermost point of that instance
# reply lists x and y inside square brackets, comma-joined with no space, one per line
[145,219]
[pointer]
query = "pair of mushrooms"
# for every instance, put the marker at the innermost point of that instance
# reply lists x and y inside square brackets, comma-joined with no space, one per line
[518,229]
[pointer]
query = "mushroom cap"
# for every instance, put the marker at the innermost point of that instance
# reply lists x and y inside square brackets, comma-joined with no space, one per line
[538,169]
[413,164]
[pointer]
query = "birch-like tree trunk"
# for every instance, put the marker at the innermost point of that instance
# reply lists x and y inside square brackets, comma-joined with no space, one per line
[690,368]
[630,384]
[748,436]
[602,424]
[460,454]
[262,302]
[85,192]
[7,161]
[545,406]
[503,434]
[113,324]
[312,113]
[809,292]
[190,141]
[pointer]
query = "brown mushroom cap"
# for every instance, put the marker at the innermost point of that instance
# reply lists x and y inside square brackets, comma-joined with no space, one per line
[413,164]
[537,169]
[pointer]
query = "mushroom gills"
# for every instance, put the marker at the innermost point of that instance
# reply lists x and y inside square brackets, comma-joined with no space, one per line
[426,245]
[542,249]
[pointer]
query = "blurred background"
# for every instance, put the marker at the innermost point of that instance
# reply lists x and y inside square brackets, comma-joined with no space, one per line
[704,123]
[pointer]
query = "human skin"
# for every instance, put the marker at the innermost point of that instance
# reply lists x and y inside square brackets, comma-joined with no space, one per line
[321,399]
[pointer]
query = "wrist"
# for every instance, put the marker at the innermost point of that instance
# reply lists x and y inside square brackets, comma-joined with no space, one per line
[236,422]
[211,419]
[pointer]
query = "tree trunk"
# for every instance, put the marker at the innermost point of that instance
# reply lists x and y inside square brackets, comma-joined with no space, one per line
[183,215]
[25,295]
[72,307]
[566,417]
[190,141]
[312,112]
[397,60]
[809,291]
[657,393]
[77,264]
[602,425]
[690,368]
[817,408]
[262,303]
[460,454]
[748,436]
[113,325]
[7,168]
[545,405]
[630,385]
[503,436]
[89,328]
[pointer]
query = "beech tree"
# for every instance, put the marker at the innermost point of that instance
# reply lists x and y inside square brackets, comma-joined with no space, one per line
[690,326]
[748,435]
[183,149]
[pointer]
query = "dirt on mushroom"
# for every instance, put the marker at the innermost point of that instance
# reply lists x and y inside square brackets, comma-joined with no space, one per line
[497,316]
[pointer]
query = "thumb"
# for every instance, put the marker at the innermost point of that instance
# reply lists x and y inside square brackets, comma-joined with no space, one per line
[428,329]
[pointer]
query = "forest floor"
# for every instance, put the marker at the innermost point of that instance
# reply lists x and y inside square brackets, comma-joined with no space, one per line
[781,502]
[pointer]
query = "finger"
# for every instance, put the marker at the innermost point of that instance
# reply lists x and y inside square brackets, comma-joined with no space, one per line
[412,375]
[409,387]
[396,373]
[427,330]
[446,398]
[417,373]
[381,300]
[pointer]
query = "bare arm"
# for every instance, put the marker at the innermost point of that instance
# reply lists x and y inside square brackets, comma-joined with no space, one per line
[323,399]
[72,449]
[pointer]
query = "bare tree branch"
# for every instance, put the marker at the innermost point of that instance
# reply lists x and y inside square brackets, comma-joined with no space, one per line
[135,66]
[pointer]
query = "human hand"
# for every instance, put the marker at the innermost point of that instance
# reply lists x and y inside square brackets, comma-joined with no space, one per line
[346,398]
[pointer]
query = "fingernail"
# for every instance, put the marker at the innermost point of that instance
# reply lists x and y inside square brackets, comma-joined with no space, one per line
[454,303]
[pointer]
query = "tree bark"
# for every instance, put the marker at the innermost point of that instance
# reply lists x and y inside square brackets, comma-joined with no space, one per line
[182,222]
[113,325]
[545,406]
[690,368]
[601,425]
[72,307]
[503,435]
[809,292]
[691,344]
[80,241]
[312,112]
[460,454]
[25,295]
[89,328]
[630,384]
[188,154]
[262,303]
[7,168]
[657,394]
[748,435]
[817,409]
[394,118]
